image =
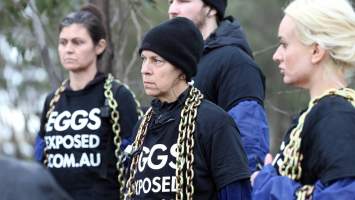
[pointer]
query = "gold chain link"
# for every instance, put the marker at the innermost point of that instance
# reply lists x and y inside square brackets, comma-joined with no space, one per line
[185,143]
[52,105]
[305,192]
[137,144]
[180,159]
[116,130]
[291,164]
[56,98]
[139,110]
[190,143]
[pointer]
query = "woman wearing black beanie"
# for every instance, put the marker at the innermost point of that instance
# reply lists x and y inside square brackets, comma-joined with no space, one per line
[185,147]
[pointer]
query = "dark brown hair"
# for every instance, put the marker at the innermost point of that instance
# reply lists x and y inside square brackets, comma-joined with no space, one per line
[91,18]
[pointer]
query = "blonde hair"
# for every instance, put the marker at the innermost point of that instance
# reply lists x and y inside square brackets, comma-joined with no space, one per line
[330,24]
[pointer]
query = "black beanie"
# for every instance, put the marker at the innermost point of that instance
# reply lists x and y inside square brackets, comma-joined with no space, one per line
[178,41]
[219,5]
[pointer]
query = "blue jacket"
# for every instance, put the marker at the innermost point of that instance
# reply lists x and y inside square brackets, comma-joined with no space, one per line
[269,185]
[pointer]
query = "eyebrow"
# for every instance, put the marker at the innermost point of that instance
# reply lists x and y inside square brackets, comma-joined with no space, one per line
[73,38]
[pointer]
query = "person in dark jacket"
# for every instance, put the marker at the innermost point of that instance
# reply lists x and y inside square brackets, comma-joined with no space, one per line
[86,120]
[186,147]
[227,73]
[23,180]
[316,52]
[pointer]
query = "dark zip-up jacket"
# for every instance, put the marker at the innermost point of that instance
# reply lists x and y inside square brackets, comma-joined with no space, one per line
[227,72]
[229,77]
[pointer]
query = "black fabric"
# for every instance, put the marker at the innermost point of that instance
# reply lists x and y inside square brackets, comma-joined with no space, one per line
[86,169]
[227,72]
[21,180]
[176,34]
[219,5]
[219,156]
[328,140]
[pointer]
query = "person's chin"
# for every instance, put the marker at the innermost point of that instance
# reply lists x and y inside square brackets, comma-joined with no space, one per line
[287,81]
[70,67]
[150,92]
[77,69]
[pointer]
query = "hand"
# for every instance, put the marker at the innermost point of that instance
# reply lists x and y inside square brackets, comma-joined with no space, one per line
[268,160]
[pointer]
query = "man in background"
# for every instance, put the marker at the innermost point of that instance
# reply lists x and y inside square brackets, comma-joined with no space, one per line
[227,73]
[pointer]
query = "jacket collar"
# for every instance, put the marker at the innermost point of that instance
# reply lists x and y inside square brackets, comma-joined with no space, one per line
[228,33]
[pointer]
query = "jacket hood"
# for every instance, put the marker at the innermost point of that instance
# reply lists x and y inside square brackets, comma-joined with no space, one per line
[228,33]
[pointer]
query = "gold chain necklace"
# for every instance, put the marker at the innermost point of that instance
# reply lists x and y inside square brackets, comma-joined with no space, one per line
[185,145]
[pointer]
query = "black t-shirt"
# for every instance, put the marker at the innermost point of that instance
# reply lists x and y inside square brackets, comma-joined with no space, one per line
[328,140]
[219,157]
[80,140]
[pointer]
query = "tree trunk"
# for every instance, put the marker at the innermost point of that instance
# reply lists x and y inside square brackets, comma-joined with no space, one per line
[39,33]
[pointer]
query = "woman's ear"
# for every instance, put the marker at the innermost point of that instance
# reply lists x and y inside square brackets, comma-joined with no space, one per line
[318,53]
[100,47]
[182,76]
[212,12]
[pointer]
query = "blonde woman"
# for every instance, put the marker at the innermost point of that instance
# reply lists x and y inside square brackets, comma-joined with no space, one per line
[317,53]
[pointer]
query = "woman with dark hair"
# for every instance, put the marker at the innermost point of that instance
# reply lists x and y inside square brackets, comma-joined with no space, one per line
[87,119]
[186,147]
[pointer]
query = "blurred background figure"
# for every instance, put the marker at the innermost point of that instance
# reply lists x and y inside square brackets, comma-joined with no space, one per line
[22,180]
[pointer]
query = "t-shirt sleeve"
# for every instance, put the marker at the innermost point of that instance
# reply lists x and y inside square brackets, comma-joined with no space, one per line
[228,162]
[240,79]
[331,151]
[127,108]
